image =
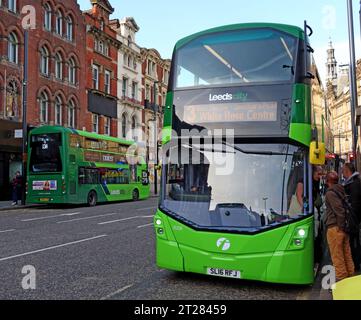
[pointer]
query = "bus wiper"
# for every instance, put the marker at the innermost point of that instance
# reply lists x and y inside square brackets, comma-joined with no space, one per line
[265,153]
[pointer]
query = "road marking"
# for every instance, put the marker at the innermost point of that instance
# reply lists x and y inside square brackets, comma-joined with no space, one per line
[71,214]
[125,219]
[4,231]
[145,225]
[143,209]
[116,292]
[50,217]
[92,217]
[52,247]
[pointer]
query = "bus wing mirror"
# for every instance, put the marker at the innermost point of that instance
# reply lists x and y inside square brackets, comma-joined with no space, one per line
[317,153]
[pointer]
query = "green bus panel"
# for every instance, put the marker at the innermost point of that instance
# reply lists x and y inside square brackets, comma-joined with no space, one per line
[270,256]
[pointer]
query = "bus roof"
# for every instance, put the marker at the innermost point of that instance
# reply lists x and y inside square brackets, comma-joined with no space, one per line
[91,135]
[292,30]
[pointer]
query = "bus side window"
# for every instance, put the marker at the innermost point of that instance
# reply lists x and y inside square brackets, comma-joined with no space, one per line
[81,175]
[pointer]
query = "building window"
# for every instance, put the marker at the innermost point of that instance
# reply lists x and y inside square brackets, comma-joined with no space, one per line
[134,90]
[95,123]
[44,105]
[95,77]
[125,59]
[72,71]
[58,66]
[12,5]
[12,99]
[125,87]
[107,82]
[44,61]
[58,111]
[100,46]
[47,17]
[71,114]
[134,126]
[13,48]
[101,25]
[147,92]
[106,49]
[59,23]
[107,126]
[69,28]
[124,126]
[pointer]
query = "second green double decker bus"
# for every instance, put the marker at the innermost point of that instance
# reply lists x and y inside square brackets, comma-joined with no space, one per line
[68,166]
[238,149]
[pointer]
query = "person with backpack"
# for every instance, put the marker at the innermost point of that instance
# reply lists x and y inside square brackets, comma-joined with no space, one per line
[352,186]
[337,224]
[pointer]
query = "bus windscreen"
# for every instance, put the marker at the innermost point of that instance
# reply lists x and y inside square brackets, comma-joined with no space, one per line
[236,57]
[45,153]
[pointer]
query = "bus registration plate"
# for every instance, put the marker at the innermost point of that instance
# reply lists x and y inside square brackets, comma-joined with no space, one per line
[224,273]
[44,200]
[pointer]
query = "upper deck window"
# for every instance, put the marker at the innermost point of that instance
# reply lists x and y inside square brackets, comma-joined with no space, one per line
[236,57]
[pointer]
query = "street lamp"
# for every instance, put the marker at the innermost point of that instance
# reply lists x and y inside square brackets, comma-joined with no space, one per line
[24,118]
[155,139]
[353,84]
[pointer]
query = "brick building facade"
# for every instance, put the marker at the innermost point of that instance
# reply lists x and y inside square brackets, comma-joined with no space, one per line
[101,61]
[56,84]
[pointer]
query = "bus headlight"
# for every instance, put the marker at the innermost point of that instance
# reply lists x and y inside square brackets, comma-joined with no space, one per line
[159,227]
[299,238]
[302,233]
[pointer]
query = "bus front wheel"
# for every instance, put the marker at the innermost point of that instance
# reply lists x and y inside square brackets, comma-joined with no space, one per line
[92,199]
[135,195]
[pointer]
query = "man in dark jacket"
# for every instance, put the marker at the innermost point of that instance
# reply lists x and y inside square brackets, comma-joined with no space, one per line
[338,240]
[352,186]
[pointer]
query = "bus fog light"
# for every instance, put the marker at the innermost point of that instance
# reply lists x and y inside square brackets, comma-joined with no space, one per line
[298,242]
[160,231]
[158,222]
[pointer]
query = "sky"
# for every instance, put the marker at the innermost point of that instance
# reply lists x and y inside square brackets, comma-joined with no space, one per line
[162,22]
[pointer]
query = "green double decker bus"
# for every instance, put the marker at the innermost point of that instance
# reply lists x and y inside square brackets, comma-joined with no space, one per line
[238,149]
[67,166]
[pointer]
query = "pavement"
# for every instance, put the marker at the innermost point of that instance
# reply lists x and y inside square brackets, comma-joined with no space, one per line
[107,252]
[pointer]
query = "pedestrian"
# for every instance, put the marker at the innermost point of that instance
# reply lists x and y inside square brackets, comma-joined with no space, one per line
[352,186]
[335,221]
[16,186]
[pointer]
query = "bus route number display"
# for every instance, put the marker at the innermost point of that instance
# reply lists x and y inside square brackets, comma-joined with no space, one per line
[231,112]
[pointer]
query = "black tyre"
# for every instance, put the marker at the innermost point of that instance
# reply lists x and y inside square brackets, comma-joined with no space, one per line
[135,195]
[92,199]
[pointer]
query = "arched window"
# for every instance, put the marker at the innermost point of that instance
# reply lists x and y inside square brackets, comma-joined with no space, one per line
[44,61]
[69,28]
[47,17]
[12,99]
[71,114]
[59,23]
[13,48]
[134,126]
[58,66]
[44,107]
[106,49]
[58,111]
[72,71]
[12,5]
[124,126]
[100,46]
